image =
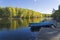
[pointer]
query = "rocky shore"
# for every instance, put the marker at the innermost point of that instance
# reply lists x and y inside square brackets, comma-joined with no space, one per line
[49,33]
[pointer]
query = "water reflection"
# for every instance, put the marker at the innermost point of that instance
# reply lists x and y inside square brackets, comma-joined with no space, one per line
[9,29]
[4,24]
[18,34]
[17,23]
[35,29]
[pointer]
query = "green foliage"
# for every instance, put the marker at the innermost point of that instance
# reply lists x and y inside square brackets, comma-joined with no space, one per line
[11,12]
[47,15]
[56,14]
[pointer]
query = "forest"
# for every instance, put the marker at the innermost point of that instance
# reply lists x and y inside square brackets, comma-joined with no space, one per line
[11,12]
[56,14]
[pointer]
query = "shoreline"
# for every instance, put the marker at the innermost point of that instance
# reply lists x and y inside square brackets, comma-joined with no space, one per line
[49,33]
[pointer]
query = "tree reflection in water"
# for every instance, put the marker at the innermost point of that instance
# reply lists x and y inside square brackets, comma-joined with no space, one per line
[10,24]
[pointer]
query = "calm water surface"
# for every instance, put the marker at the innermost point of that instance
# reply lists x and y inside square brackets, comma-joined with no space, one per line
[17,29]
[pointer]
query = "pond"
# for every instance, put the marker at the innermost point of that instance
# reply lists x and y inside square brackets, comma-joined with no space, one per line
[17,29]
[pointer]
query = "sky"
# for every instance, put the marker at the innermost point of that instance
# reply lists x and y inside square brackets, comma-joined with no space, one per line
[43,6]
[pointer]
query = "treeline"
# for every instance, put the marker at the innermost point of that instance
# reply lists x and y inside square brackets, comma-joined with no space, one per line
[47,15]
[56,14]
[10,12]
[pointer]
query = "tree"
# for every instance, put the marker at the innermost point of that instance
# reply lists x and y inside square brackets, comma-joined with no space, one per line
[56,14]
[11,12]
